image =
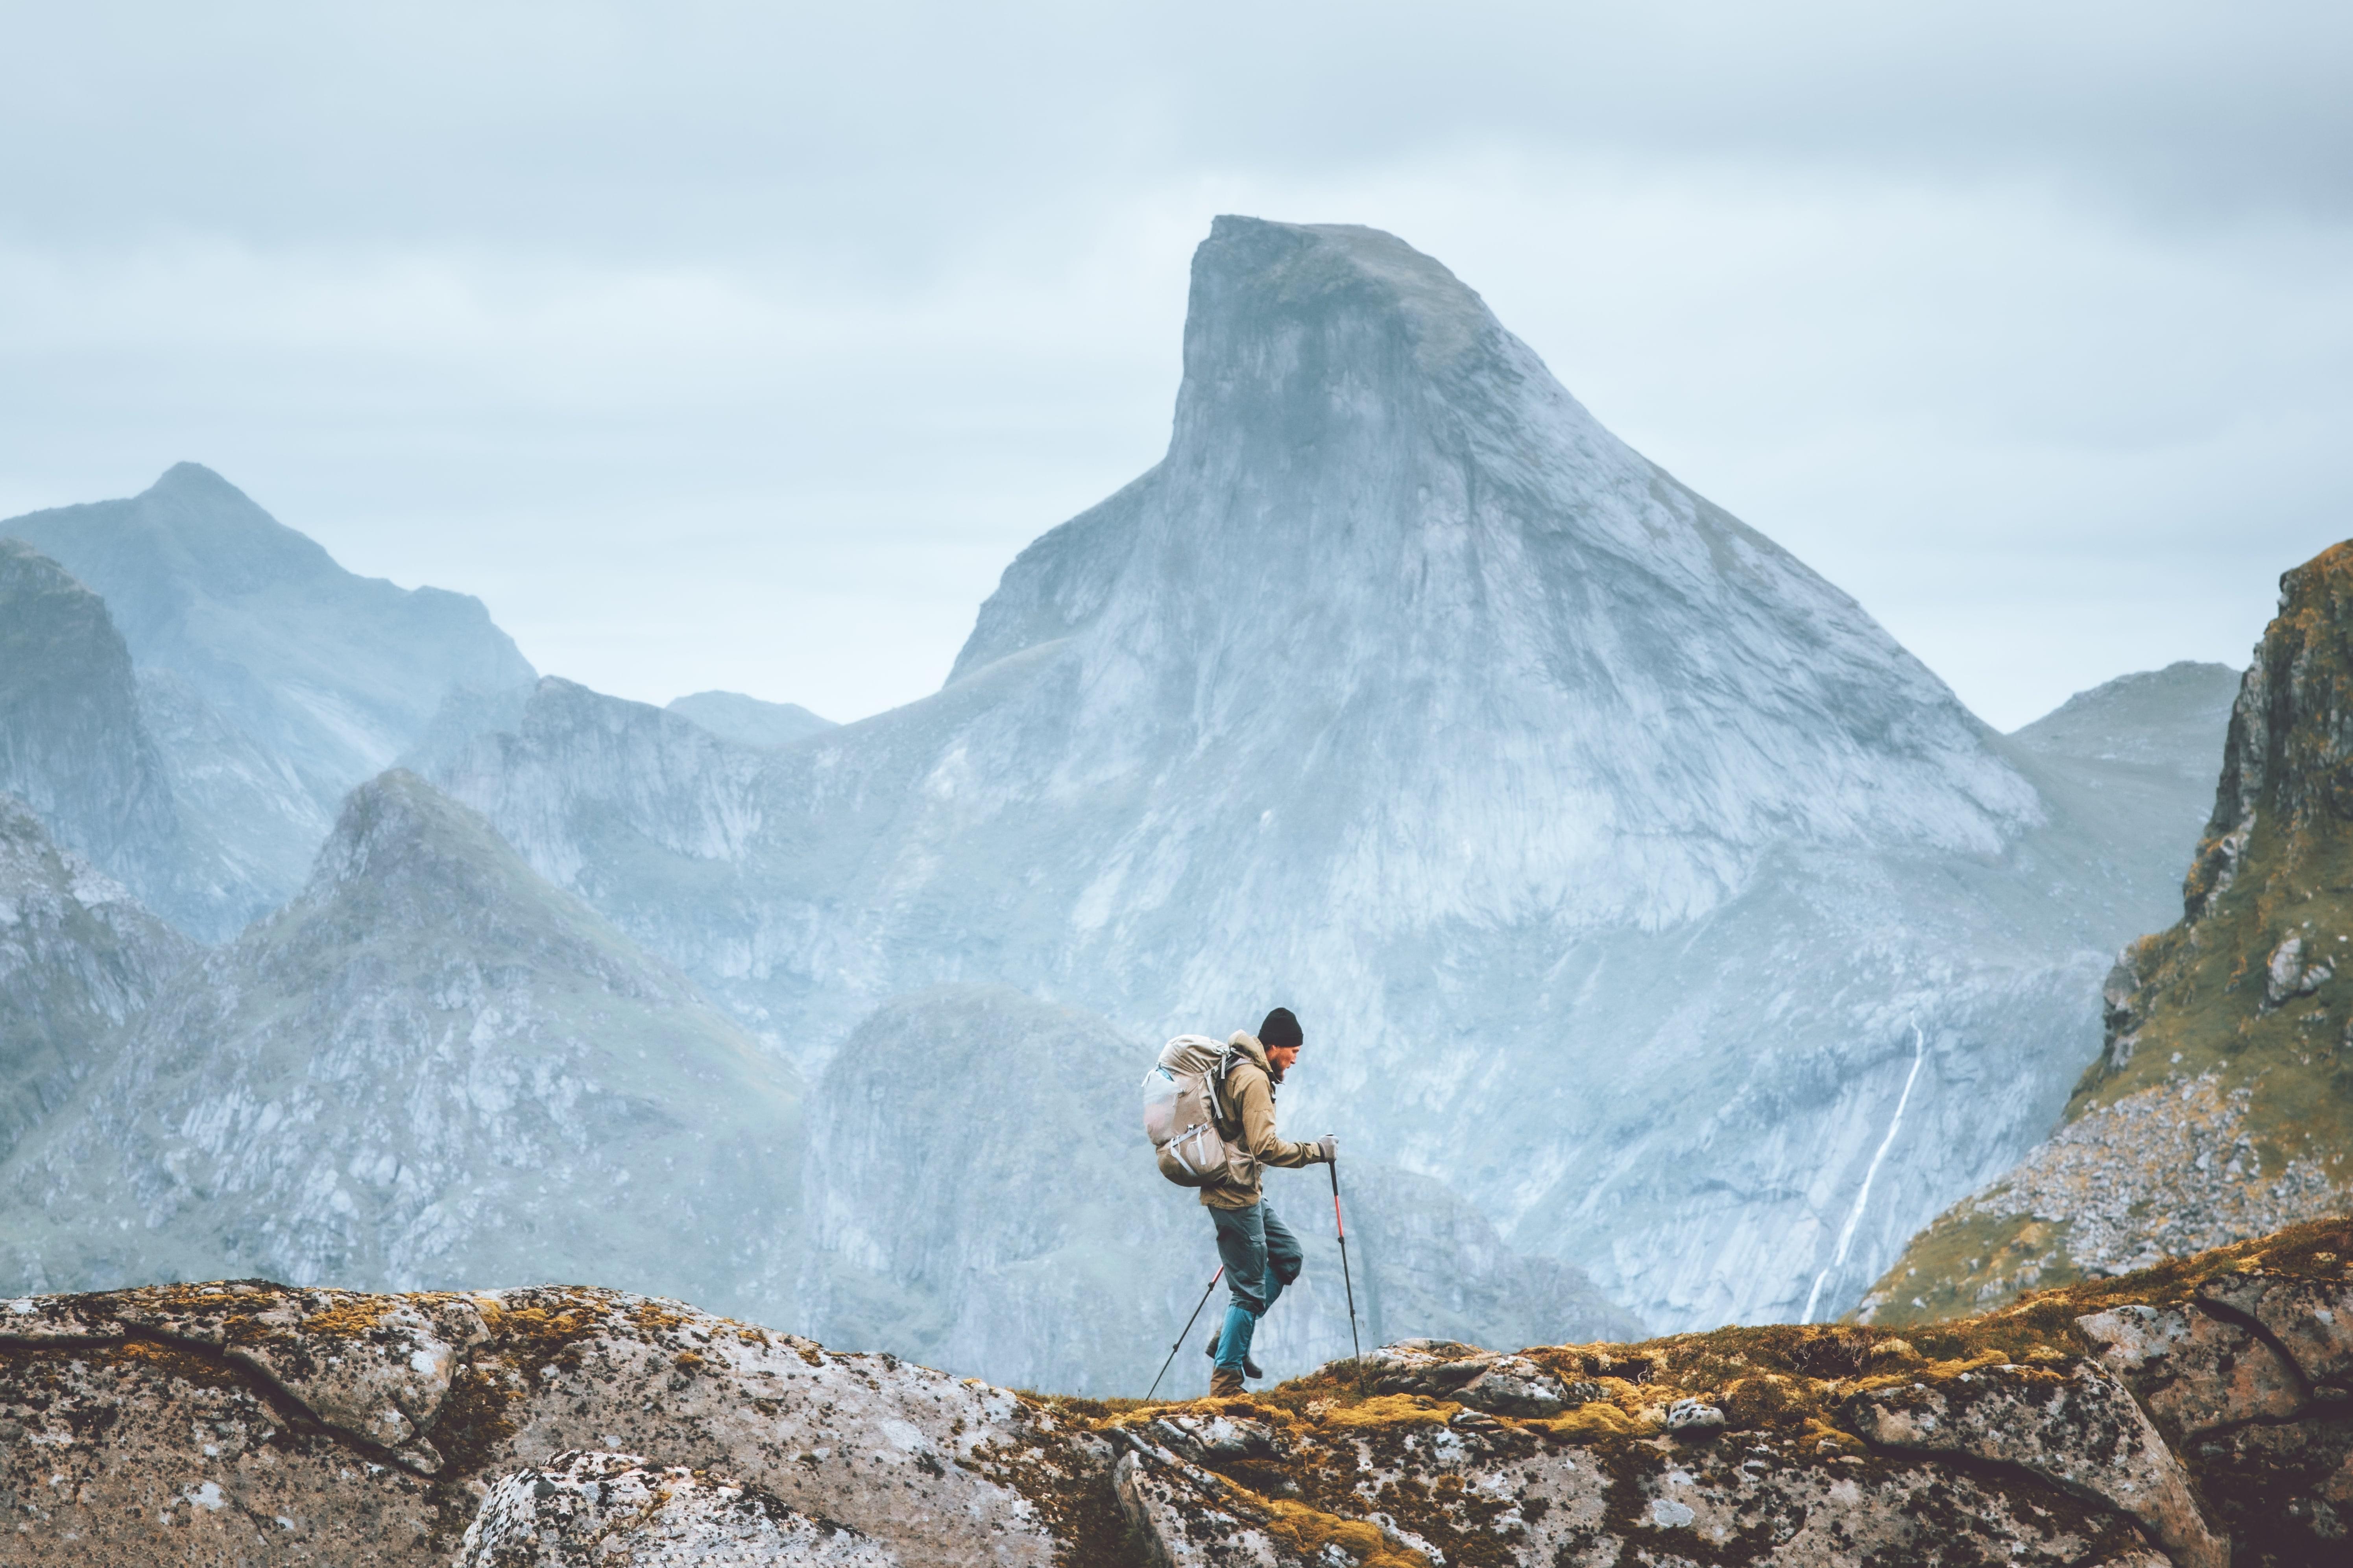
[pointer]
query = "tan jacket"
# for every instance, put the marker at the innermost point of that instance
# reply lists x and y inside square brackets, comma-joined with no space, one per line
[1251,1088]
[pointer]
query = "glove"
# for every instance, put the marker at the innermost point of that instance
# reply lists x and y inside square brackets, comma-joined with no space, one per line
[1329,1148]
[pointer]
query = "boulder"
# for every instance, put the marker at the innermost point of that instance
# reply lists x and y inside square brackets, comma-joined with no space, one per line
[1499,1385]
[588,1509]
[2194,1371]
[250,1422]
[2078,1426]
[2311,1320]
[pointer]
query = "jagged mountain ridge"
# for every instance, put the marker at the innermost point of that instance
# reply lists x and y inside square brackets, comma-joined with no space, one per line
[1612,855]
[271,680]
[430,1068]
[2221,1106]
[748,721]
[336,672]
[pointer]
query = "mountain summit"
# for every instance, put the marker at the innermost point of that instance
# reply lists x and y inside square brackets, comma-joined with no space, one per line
[1628,877]
[336,671]
[1395,591]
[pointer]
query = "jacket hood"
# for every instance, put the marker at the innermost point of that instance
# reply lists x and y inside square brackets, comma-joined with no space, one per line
[1256,1053]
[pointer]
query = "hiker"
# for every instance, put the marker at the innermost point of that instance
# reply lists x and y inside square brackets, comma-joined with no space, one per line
[1259,1253]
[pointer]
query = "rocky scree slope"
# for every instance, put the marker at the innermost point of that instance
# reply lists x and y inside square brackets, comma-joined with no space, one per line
[273,679]
[78,957]
[2197,1415]
[430,1068]
[2221,1106]
[979,1200]
[1611,855]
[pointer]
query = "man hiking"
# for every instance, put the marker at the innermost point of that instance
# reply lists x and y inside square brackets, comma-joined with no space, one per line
[1258,1251]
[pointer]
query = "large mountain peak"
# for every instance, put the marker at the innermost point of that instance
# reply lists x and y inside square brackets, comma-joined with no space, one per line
[1344,288]
[411,868]
[1628,876]
[1389,563]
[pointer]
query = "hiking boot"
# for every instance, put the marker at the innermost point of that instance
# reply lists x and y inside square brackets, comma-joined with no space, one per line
[1224,1384]
[1250,1367]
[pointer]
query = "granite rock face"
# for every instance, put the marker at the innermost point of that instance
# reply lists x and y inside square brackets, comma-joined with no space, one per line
[257,821]
[78,957]
[273,680]
[254,1424]
[430,1068]
[1631,881]
[72,745]
[2220,1105]
[583,1511]
[141,1427]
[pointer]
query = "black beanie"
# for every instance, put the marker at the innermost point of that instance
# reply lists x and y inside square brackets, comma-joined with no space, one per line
[1281,1031]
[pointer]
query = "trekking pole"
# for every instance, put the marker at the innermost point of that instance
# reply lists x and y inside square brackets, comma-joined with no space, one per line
[1188,1329]
[1340,1226]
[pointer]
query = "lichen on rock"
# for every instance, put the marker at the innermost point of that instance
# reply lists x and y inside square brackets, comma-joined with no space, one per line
[588,1509]
[2192,1415]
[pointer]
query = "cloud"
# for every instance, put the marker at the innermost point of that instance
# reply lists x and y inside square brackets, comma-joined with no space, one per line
[740,346]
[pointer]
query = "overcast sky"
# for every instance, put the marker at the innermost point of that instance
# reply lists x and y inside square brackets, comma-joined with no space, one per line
[742,346]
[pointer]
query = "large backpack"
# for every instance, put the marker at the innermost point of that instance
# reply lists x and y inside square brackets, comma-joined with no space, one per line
[1192,1128]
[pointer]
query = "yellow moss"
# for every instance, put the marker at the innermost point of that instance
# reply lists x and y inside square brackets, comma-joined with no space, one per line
[1933,1372]
[351,1317]
[1599,1419]
[1308,1531]
[1817,1431]
[1392,1410]
[654,1317]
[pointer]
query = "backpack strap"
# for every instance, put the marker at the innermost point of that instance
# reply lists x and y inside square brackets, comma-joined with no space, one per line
[1221,1106]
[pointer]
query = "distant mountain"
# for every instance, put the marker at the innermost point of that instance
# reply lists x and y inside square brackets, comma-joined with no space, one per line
[430,1070]
[2135,756]
[982,1200]
[72,745]
[272,680]
[78,957]
[2170,721]
[749,721]
[2221,1106]
[251,823]
[1631,881]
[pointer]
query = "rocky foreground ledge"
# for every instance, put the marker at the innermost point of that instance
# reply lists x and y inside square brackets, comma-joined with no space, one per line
[2201,1413]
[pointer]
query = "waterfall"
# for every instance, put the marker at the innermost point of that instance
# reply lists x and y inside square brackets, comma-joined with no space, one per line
[1862,1194]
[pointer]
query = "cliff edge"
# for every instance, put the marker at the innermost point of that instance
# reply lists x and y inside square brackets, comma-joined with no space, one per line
[2201,1413]
[2221,1106]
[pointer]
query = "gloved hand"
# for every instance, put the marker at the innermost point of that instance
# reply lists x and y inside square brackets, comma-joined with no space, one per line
[1329,1148]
